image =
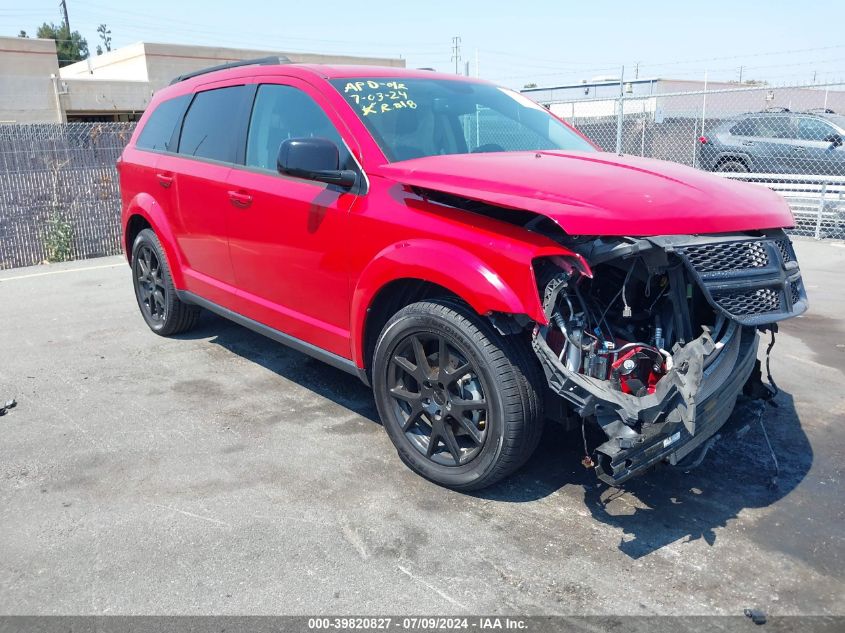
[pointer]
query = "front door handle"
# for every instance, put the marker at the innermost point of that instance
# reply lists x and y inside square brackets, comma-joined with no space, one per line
[240,199]
[748,143]
[165,180]
[799,149]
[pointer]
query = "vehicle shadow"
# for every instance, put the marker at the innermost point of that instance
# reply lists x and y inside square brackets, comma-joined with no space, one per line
[324,380]
[668,503]
[664,506]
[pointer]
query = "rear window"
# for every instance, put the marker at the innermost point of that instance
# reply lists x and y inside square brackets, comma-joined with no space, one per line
[158,130]
[207,131]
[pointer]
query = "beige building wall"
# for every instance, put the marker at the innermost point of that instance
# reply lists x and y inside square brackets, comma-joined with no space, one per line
[158,64]
[27,94]
[34,90]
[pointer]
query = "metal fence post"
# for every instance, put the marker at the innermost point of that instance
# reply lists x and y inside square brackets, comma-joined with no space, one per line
[619,119]
[821,210]
[620,111]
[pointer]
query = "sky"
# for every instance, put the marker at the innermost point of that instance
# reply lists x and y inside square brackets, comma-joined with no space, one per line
[514,43]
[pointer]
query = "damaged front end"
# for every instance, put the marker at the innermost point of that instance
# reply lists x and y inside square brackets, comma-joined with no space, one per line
[655,342]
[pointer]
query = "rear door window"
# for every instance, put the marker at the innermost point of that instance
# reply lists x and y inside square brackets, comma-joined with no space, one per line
[765,127]
[160,126]
[774,127]
[208,130]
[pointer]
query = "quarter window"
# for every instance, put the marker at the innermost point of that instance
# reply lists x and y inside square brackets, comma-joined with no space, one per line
[284,112]
[207,131]
[158,130]
[744,128]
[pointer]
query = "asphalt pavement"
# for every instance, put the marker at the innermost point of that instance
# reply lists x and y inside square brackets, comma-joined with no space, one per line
[222,473]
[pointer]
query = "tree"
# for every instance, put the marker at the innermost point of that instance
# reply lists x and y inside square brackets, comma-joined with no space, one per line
[105,35]
[71,47]
[23,34]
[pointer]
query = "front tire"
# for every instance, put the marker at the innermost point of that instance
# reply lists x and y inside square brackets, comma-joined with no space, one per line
[459,401]
[157,299]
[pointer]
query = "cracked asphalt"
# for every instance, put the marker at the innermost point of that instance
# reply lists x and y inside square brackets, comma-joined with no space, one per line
[221,473]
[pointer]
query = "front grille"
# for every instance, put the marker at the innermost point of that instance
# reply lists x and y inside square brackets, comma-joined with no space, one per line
[785,249]
[749,302]
[753,281]
[795,287]
[727,256]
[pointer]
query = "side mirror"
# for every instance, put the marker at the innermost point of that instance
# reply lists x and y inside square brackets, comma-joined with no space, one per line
[314,159]
[834,139]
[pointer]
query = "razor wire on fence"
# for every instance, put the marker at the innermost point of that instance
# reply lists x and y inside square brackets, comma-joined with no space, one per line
[60,196]
[787,138]
[59,191]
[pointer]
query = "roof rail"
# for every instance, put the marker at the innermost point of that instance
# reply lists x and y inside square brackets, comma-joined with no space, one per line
[776,109]
[819,111]
[261,61]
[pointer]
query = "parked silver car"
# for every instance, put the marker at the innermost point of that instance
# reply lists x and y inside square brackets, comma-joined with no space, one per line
[777,142]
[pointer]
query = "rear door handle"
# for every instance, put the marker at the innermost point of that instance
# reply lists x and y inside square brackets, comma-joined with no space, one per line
[240,199]
[748,143]
[799,149]
[165,180]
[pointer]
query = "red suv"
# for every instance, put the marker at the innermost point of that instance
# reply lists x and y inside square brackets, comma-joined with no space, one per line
[462,250]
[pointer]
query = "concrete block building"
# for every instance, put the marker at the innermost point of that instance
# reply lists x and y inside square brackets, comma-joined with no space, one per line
[117,85]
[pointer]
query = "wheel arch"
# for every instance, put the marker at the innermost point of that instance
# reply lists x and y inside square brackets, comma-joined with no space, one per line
[738,157]
[144,212]
[410,271]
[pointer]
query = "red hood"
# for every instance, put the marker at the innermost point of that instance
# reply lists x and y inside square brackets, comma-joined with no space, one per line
[590,193]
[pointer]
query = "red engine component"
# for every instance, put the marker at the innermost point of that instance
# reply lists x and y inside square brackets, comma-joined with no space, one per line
[637,370]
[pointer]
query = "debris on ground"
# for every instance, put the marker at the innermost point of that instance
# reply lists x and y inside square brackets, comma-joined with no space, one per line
[9,404]
[758,616]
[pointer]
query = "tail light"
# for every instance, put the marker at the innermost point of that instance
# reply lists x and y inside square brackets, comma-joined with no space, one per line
[703,140]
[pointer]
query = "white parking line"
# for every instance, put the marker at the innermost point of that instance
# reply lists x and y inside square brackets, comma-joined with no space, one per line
[61,272]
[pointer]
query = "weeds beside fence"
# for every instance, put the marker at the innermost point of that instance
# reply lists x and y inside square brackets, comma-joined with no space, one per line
[59,191]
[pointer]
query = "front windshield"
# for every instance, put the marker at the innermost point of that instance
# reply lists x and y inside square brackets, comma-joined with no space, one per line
[412,118]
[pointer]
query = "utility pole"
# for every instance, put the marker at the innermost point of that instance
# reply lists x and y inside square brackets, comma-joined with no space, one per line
[456,53]
[740,74]
[637,71]
[63,5]
[476,63]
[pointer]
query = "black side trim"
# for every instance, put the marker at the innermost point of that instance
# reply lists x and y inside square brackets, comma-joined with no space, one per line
[329,358]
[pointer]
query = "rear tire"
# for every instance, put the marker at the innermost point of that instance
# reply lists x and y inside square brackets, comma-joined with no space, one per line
[160,306]
[733,166]
[442,374]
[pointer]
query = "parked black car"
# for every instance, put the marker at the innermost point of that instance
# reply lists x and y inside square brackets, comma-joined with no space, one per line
[780,142]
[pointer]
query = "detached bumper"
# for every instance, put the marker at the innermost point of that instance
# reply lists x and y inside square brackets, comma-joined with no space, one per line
[723,380]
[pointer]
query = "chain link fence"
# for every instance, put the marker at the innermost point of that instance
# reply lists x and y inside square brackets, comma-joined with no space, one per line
[60,198]
[59,193]
[788,138]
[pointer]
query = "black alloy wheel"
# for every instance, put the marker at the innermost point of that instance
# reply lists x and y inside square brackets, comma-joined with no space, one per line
[460,401]
[439,397]
[158,301]
[149,285]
